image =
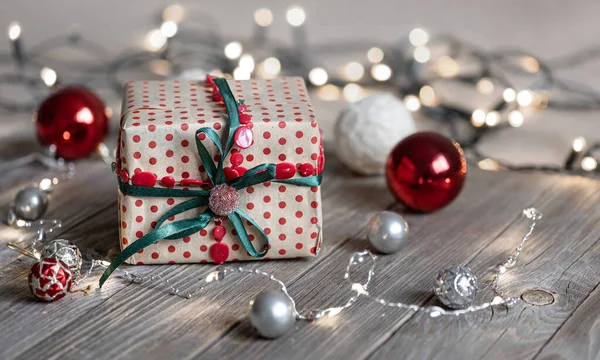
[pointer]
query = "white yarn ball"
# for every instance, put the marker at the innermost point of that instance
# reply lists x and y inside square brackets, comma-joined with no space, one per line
[367,130]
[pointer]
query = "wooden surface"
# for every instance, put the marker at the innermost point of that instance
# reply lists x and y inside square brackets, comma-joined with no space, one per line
[560,267]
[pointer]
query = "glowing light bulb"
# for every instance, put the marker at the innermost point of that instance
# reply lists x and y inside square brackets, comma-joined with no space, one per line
[295,16]
[247,62]
[412,103]
[45,184]
[516,118]
[579,144]
[375,55]
[447,67]
[352,92]
[492,118]
[155,40]
[588,163]
[524,98]
[422,54]
[478,118]
[485,86]
[530,64]
[418,37]
[381,72]
[263,17]
[427,96]
[488,164]
[233,50]
[168,28]
[509,95]
[271,66]
[329,92]
[241,74]
[354,71]
[14,31]
[173,13]
[318,76]
[48,76]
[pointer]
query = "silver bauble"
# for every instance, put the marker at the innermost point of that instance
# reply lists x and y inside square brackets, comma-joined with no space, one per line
[456,287]
[367,130]
[387,231]
[65,251]
[272,314]
[30,203]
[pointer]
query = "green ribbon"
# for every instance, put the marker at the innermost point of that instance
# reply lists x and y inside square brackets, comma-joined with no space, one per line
[199,198]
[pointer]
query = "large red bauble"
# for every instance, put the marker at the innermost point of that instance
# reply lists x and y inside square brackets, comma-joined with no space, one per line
[426,171]
[50,279]
[73,119]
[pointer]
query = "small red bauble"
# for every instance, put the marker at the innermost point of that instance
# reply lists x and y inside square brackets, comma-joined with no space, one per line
[219,253]
[426,171]
[74,119]
[243,137]
[50,279]
[144,178]
[285,170]
[219,232]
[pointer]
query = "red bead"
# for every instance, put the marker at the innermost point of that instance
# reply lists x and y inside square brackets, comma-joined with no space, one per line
[219,253]
[50,279]
[245,118]
[230,174]
[241,170]
[192,182]
[167,181]
[321,159]
[236,159]
[144,178]
[307,169]
[242,108]
[73,119]
[285,170]
[243,137]
[426,171]
[217,95]
[124,175]
[219,232]
[209,80]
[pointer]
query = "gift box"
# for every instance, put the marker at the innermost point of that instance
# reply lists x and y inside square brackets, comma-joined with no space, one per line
[213,171]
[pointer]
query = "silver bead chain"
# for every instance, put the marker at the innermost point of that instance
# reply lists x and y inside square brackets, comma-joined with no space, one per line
[358,289]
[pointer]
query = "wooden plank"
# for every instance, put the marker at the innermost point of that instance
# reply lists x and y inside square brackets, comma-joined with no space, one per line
[146,315]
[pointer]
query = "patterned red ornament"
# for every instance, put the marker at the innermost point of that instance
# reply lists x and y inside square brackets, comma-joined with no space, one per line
[426,171]
[74,119]
[223,199]
[50,279]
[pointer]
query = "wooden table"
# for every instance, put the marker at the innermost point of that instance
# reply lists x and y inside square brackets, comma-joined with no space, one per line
[558,274]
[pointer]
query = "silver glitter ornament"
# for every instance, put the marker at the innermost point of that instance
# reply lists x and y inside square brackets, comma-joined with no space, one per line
[456,286]
[30,203]
[65,251]
[272,314]
[387,231]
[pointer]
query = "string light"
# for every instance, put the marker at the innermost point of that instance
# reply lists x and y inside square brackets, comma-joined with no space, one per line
[488,164]
[173,13]
[492,118]
[412,103]
[524,98]
[271,67]
[318,76]
[375,55]
[427,96]
[418,37]
[381,72]
[530,64]
[509,95]
[329,92]
[247,63]
[155,40]
[588,163]
[352,92]
[48,76]
[295,16]
[447,67]
[516,118]
[168,29]
[485,86]
[422,54]
[478,118]
[241,74]
[233,50]
[354,71]
[579,144]
[14,31]
[263,17]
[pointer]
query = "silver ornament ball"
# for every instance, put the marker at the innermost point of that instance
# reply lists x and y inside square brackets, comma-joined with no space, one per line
[30,203]
[456,286]
[65,251]
[387,232]
[272,314]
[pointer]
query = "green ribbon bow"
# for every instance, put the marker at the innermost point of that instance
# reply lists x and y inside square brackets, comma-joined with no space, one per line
[199,198]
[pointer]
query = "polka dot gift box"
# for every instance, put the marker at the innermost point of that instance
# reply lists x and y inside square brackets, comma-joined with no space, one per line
[218,170]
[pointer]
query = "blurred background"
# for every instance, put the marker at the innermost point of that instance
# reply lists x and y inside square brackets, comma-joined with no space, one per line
[329,35]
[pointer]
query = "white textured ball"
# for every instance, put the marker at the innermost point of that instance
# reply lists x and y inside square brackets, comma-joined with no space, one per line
[367,130]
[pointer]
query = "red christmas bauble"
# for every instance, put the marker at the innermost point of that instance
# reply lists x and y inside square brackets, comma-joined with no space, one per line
[73,119]
[426,171]
[50,279]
